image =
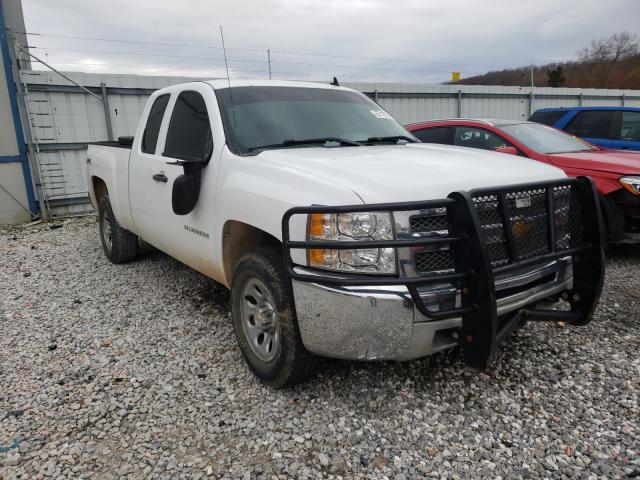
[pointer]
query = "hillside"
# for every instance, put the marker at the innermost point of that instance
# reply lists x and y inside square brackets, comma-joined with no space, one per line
[624,74]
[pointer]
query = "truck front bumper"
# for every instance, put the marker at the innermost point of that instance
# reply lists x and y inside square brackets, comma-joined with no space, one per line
[549,241]
[383,323]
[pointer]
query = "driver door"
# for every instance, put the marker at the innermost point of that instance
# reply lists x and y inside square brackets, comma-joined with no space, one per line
[186,132]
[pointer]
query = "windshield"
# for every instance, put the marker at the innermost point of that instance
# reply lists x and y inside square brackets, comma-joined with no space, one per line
[277,117]
[545,139]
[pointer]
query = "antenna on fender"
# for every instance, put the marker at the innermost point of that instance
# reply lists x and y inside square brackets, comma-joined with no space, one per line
[226,66]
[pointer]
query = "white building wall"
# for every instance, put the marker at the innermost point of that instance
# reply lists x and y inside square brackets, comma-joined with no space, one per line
[8,144]
[13,193]
[13,196]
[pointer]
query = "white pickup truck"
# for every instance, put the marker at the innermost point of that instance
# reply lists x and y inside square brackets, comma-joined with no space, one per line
[338,233]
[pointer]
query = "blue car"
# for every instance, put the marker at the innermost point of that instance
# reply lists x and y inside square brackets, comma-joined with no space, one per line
[607,127]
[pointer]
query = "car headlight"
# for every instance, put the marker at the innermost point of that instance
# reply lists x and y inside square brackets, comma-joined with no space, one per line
[632,184]
[352,227]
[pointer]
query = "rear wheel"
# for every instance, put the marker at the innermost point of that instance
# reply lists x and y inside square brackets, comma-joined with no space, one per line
[265,321]
[119,245]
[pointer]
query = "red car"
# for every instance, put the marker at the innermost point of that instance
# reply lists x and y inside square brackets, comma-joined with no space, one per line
[615,173]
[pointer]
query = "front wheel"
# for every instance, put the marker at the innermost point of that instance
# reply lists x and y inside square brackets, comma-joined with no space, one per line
[264,319]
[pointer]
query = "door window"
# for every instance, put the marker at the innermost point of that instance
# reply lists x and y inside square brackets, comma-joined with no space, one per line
[151,130]
[547,118]
[434,135]
[592,124]
[478,138]
[189,136]
[630,127]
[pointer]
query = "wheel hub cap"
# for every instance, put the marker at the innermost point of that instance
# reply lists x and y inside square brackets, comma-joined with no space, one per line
[106,231]
[260,319]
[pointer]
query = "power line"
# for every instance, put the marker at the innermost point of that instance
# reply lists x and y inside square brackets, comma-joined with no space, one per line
[131,65]
[145,54]
[406,72]
[262,51]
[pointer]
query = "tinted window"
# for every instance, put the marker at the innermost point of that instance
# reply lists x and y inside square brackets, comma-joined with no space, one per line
[591,124]
[434,135]
[259,116]
[151,130]
[630,128]
[478,138]
[189,134]
[547,118]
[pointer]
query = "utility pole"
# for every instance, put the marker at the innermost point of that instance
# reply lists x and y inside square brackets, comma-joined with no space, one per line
[531,70]
[269,62]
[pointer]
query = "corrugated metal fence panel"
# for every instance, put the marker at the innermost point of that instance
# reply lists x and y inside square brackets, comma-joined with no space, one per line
[63,114]
[66,173]
[125,113]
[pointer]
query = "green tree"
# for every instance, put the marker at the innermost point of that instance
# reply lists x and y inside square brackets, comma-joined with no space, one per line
[555,77]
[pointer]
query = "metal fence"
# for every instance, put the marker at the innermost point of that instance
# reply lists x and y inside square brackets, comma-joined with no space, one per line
[64,118]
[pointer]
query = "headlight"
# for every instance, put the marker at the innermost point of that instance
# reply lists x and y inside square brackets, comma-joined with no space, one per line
[632,184]
[352,227]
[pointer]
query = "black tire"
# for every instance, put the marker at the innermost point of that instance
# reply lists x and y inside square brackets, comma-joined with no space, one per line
[292,362]
[119,245]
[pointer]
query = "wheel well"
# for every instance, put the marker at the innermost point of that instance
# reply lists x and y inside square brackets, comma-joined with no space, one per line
[239,238]
[613,217]
[99,189]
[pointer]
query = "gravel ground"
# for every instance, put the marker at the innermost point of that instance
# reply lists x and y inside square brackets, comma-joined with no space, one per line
[133,371]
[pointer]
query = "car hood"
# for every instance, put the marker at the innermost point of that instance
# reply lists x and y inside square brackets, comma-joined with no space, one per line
[411,172]
[604,160]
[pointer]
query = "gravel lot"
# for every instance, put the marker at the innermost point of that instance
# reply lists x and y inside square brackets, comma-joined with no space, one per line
[132,371]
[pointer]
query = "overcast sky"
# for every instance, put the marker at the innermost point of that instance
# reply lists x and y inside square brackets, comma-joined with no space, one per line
[418,41]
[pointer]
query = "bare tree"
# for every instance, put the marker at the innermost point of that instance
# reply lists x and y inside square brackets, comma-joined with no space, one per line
[606,52]
[624,45]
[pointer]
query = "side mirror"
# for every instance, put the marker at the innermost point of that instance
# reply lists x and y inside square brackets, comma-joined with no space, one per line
[186,188]
[509,150]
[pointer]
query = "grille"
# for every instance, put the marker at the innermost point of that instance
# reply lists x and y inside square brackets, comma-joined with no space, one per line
[488,210]
[429,223]
[528,215]
[568,211]
[434,261]
[527,220]
[527,225]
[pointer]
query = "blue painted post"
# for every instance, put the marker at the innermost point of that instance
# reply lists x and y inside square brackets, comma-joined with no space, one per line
[15,112]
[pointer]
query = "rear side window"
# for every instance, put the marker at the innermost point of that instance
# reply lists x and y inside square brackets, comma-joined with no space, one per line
[547,118]
[151,130]
[434,135]
[189,136]
[478,138]
[592,124]
[630,128]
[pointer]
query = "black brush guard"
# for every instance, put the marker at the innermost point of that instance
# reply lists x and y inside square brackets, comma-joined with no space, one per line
[474,275]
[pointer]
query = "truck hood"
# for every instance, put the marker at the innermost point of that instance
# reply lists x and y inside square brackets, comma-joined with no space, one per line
[411,172]
[612,161]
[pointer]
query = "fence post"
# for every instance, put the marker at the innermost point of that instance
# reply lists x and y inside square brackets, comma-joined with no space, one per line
[580,99]
[622,99]
[459,103]
[375,96]
[531,100]
[107,113]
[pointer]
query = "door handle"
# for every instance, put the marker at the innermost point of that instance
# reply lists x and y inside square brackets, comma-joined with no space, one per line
[160,177]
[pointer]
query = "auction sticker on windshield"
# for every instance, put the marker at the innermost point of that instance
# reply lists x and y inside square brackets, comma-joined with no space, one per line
[380,114]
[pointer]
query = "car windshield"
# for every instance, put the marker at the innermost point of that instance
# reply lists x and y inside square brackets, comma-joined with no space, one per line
[545,139]
[258,118]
